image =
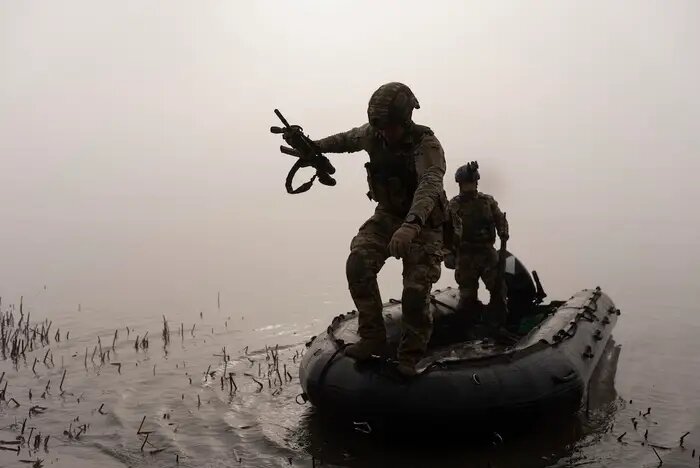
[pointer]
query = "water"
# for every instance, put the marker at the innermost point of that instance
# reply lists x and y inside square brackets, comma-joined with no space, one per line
[198,423]
[139,180]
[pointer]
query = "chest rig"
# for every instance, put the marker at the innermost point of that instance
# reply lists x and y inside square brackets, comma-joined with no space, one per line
[391,172]
[478,223]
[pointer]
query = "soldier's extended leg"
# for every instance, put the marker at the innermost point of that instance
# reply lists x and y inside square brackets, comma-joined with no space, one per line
[368,252]
[467,276]
[421,269]
[498,305]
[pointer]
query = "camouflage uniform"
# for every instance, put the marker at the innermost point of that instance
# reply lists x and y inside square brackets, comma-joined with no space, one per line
[406,180]
[479,218]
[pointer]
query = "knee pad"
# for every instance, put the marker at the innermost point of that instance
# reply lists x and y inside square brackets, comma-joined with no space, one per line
[355,267]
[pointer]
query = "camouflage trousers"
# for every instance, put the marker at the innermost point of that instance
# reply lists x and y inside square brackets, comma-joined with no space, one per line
[474,263]
[421,269]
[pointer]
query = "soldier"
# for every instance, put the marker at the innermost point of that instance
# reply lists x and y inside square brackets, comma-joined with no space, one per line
[477,219]
[405,175]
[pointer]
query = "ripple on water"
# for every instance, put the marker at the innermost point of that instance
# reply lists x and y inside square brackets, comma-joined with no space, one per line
[190,416]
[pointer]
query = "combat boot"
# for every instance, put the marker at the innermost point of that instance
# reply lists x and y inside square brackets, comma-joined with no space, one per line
[365,348]
[470,312]
[407,368]
[470,306]
[497,313]
[407,363]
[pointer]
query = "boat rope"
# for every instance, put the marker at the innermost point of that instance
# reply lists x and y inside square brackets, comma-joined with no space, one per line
[439,302]
[327,365]
[433,300]
[562,334]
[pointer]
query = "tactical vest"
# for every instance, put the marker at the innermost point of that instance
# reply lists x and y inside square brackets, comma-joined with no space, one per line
[478,223]
[391,173]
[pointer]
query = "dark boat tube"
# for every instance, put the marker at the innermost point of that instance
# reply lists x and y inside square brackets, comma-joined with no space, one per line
[548,367]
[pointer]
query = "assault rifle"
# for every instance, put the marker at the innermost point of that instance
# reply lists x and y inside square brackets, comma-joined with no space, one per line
[308,153]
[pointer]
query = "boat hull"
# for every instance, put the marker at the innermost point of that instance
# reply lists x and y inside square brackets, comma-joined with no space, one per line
[549,368]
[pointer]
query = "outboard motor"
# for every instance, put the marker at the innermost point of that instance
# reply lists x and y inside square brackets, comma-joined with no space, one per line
[524,293]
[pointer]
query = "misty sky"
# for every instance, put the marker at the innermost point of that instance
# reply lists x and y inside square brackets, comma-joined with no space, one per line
[137,167]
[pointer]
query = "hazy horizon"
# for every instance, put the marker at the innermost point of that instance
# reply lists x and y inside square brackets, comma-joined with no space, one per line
[138,171]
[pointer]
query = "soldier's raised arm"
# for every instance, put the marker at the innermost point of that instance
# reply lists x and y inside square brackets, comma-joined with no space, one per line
[500,220]
[430,169]
[345,142]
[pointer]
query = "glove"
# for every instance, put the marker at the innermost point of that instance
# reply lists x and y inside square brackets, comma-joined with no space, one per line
[293,137]
[400,242]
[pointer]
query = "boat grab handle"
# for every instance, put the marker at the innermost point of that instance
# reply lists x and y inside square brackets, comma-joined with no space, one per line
[362,426]
[566,378]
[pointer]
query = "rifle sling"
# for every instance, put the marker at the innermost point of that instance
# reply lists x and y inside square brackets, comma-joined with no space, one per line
[290,178]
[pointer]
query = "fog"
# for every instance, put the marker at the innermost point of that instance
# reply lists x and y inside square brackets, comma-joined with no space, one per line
[138,174]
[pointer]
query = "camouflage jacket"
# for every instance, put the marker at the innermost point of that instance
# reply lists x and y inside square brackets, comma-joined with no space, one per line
[476,219]
[406,179]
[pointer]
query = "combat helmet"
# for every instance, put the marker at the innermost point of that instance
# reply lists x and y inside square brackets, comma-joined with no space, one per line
[392,103]
[468,173]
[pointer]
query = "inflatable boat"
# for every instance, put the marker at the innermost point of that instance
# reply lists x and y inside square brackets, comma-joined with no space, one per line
[546,361]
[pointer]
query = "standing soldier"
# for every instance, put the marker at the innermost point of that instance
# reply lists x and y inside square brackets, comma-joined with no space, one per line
[478,219]
[405,175]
